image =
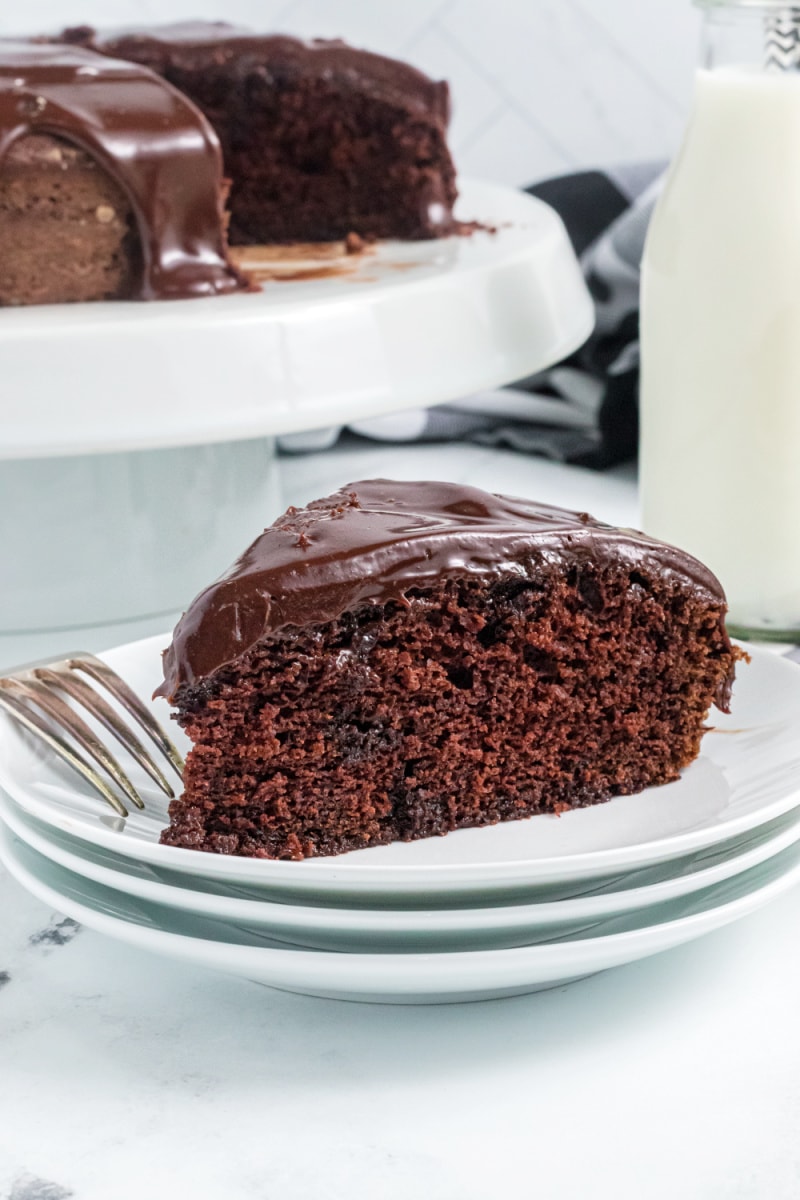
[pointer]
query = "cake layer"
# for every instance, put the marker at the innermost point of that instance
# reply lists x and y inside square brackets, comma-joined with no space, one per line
[67,230]
[401,660]
[118,138]
[319,139]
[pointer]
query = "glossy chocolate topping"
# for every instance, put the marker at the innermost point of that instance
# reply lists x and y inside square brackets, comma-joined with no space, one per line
[199,45]
[151,140]
[373,541]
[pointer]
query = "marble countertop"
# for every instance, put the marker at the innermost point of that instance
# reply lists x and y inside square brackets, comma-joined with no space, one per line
[125,1076]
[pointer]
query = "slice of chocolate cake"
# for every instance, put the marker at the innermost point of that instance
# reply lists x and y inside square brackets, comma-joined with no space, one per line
[319,139]
[405,659]
[110,183]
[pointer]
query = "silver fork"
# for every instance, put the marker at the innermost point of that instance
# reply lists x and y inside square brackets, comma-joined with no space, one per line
[34,696]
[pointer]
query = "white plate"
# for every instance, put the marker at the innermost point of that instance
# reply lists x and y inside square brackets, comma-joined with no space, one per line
[394,978]
[748,773]
[402,931]
[413,324]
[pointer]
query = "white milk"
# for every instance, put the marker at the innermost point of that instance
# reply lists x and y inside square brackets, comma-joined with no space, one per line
[720,451]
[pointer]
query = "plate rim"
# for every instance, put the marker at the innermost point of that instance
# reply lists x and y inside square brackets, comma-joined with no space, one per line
[395,973]
[328,919]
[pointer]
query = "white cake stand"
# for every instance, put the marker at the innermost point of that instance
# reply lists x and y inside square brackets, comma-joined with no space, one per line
[136,438]
[410,324]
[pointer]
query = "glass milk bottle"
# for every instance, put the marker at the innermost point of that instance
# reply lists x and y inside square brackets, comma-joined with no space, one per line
[720,322]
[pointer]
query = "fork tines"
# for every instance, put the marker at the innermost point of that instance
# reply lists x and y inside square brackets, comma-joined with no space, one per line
[34,696]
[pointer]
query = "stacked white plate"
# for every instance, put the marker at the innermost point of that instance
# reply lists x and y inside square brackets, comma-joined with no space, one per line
[481,913]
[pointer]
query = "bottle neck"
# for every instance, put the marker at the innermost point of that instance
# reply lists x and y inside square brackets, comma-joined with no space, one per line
[760,35]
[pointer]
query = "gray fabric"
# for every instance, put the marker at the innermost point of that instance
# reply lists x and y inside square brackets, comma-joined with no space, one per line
[559,413]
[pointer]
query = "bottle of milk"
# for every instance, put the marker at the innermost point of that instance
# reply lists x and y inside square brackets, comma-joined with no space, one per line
[720,325]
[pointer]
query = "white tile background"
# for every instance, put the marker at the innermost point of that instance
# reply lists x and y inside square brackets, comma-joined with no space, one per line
[539,86]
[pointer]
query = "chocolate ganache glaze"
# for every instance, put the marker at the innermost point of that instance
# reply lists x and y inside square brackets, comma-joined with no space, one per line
[151,140]
[193,45]
[372,541]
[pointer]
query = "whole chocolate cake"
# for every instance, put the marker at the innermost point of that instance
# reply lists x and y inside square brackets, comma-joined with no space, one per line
[319,139]
[110,183]
[405,659]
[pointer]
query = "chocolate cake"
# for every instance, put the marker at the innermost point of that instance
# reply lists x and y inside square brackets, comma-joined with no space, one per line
[405,659]
[110,183]
[319,139]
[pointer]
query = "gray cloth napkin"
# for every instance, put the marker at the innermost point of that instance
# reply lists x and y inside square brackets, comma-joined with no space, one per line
[582,410]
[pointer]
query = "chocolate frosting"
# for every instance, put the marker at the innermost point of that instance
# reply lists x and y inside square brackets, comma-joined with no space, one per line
[199,45]
[372,541]
[151,140]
